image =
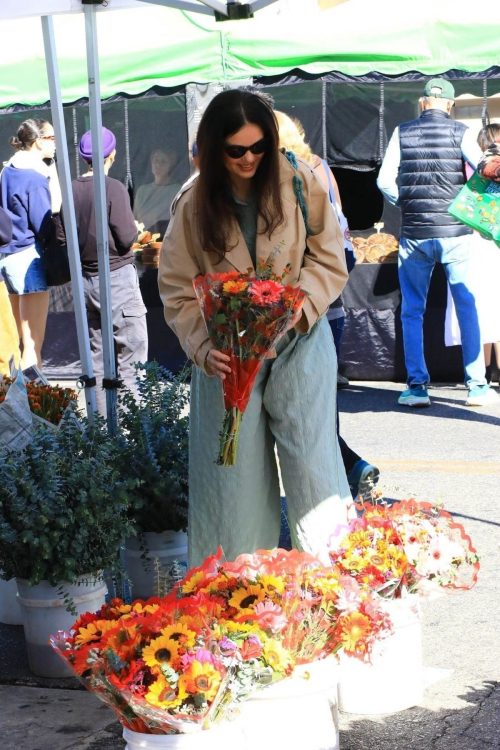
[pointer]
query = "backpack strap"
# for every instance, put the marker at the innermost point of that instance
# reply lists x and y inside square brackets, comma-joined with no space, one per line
[298,190]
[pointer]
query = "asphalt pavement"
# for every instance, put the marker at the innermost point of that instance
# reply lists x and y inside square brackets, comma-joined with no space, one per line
[447,452]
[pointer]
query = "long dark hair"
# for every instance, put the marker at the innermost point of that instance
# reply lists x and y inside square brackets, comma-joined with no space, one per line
[27,134]
[227,113]
[488,135]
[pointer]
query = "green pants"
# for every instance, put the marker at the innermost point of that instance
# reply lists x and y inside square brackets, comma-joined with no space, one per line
[292,406]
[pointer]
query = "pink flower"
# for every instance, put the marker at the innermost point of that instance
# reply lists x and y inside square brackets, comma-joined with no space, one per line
[270,616]
[266,292]
[202,655]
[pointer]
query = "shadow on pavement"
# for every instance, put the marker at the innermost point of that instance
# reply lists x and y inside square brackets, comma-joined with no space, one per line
[471,727]
[358,399]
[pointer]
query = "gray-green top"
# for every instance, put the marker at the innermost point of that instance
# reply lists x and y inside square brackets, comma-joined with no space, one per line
[246,214]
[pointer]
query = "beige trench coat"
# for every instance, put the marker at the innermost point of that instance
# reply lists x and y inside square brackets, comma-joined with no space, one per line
[318,266]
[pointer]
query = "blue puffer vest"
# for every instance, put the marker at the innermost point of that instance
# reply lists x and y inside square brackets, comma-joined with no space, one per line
[431,174]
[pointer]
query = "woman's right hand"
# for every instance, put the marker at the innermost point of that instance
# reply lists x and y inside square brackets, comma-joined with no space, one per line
[217,363]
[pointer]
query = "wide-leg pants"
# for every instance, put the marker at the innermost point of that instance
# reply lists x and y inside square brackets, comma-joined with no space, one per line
[292,407]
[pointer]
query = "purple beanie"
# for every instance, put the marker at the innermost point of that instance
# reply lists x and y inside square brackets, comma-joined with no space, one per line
[85,145]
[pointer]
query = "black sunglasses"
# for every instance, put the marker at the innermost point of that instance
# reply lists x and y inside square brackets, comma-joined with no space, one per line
[236,152]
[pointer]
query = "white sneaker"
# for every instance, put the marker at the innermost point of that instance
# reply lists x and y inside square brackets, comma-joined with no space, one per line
[482,395]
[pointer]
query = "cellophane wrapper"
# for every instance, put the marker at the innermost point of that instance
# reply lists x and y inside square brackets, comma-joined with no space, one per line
[409,546]
[245,316]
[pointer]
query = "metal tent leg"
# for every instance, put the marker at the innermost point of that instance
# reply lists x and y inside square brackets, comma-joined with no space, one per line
[69,212]
[101,215]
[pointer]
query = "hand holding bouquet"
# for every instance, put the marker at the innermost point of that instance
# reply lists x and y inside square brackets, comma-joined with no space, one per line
[245,317]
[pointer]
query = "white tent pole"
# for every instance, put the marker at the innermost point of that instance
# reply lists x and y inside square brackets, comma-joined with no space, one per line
[69,213]
[101,216]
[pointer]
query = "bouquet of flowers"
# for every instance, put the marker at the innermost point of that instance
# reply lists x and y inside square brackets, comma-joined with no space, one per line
[245,317]
[166,666]
[408,547]
[305,610]
[46,402]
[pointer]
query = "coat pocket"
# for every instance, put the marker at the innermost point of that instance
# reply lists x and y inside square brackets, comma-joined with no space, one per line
[135,323]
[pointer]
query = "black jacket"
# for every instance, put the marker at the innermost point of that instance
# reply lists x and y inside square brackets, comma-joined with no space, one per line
[431,174]
[5,228]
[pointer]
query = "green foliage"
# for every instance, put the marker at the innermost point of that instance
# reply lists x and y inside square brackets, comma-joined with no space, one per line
[153,448]
[64,506]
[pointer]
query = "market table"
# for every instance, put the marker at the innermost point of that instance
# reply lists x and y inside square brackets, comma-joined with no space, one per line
[372,348]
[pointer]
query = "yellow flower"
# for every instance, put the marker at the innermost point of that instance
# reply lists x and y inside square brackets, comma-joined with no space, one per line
[161,694]
[355,627]
[180,633]
[276,656]
[138,609]
[160,651]
[94,631]
[200,678]
[242,627]
[192,583]
[245,599]
[272,584]
[235,287]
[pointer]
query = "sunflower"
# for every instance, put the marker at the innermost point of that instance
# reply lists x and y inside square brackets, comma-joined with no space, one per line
[245,599]
[192,583]
[278,658]
[273,584]
[94,631]
[355,627]
[163,695]
[200,678]
[180,633]
[160,651]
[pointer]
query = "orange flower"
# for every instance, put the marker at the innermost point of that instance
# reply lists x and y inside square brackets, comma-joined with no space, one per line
[200,678]
[355,628]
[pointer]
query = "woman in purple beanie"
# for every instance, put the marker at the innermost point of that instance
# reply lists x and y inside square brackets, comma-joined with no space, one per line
[129,312]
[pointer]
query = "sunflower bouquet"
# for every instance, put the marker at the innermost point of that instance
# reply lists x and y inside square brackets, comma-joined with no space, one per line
[409,547]
[245,315]
[306,611]
[166,666]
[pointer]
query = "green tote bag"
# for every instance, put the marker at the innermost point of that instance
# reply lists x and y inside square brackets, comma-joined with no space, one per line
[478,206]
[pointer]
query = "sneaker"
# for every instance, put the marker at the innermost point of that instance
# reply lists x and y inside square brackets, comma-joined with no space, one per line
[415,395]
[482,395]
[363,477]
[342,382]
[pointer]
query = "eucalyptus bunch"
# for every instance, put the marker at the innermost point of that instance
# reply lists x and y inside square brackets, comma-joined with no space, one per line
[64,506]
[152,448]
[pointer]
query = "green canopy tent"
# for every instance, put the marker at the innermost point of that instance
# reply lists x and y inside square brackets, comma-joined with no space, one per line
[158,46]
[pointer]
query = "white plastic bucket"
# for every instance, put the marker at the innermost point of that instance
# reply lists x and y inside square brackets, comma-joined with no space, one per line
[298,713]
[225,736]
[394,680]
[10,611]
[44,613]
[167,547]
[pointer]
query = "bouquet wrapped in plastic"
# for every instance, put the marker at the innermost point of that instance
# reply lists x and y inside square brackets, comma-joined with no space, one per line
[408,547]
[306,610]
[245,317]
[166,666]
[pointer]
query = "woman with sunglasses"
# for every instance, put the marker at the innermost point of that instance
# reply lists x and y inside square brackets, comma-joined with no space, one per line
[240,208]
[25,195]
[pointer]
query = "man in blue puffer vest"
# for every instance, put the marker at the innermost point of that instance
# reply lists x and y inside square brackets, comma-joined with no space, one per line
[422,172]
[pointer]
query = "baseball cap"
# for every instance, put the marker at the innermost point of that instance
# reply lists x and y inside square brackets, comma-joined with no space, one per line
[439,88]
[85,145]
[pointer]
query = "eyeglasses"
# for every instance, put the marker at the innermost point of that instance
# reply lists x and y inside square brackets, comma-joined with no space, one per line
[47,137]
[236,152]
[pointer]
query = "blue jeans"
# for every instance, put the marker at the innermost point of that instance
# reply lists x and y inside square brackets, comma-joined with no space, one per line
[417,259]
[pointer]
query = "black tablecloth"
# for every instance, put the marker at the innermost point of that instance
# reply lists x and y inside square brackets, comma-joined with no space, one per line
[372,347]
